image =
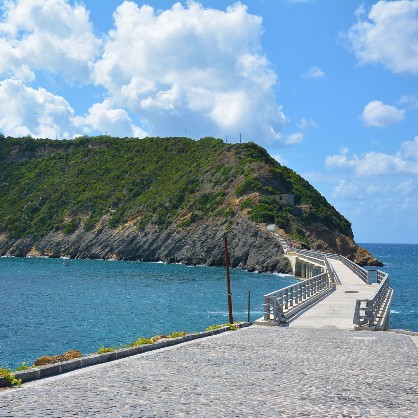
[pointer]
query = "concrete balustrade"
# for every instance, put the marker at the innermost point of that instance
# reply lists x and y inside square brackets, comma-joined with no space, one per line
[280,306]
[373,313]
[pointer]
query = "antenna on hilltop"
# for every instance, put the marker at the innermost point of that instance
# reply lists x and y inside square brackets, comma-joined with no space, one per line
[240,137]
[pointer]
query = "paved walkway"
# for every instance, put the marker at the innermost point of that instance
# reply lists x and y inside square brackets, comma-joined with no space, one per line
[337,309]
[254,372]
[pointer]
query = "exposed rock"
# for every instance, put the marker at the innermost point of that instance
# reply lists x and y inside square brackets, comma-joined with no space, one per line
[322,239]
[69,355]
[250,247]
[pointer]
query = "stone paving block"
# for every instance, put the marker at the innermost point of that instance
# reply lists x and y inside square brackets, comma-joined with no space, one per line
[105,357]
[91,360]
[70,365]
[28,375]
[50,370]
[257,371]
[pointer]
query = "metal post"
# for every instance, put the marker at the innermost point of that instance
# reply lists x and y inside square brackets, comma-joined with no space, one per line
[228,281]
[249,306]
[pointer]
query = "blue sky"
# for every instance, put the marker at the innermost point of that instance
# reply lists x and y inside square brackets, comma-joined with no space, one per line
[329,88]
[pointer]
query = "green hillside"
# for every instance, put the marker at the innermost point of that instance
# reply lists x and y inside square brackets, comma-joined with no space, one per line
[49,185]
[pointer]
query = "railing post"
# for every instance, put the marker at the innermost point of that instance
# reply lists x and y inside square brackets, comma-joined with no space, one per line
[266,308]
[369,313]
[286,295]
[275,307]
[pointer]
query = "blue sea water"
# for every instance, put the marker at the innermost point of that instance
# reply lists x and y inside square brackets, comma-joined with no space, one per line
[401,262]
[47,307]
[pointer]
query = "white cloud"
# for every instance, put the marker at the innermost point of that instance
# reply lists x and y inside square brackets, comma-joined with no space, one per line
[379,114]
[314,72]
[295,138]
[404,161]
[104,118]
[410,101]
[280,159]
[191,67]
[41,114]
[387,35]
[306,123]
[36,112]
[47,35]
[406,187]
[346,189]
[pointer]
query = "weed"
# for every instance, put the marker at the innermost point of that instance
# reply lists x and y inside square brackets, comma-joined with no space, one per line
[103,350]
[10,377]
[23,366]
[141,341]
[176,334]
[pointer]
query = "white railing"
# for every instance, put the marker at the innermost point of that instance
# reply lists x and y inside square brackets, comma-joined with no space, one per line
[373,313]
[331,271]
[281,305]
[355,268]
[370,313]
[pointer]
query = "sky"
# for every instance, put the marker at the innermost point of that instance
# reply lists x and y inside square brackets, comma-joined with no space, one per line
[329,88]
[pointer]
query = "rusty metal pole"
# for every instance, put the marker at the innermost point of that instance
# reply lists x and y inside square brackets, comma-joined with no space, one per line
[249,306]
[228,281]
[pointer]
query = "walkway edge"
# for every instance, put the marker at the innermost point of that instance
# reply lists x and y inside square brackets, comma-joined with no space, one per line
[94,359]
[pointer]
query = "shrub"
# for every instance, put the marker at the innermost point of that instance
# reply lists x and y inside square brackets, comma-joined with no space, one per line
[103,350]
[10,377]
[141,341]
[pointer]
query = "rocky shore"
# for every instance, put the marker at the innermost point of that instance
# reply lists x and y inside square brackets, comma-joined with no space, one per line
[250,246]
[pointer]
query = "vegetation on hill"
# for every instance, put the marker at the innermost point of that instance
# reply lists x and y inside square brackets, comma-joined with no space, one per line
[49,185]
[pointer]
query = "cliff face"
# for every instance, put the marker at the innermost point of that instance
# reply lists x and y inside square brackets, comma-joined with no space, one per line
[201,244]
[160,199]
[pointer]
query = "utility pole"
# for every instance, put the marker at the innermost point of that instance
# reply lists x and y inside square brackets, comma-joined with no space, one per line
[240,137]
[228,281]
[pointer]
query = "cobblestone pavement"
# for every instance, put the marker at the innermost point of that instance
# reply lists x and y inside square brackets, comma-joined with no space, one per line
[254,372]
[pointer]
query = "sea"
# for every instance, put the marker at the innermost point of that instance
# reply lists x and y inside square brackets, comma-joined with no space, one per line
[49,306]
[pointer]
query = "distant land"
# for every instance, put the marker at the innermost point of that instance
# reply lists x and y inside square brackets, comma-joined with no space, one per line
[161,199]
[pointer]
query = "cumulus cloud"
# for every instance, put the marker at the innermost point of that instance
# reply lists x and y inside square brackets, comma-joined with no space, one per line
[314,72]
[47,35]
[105,118]
[36,112]
[387,35]
[404,161]
[379,114]
[191,67]
[41,114]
